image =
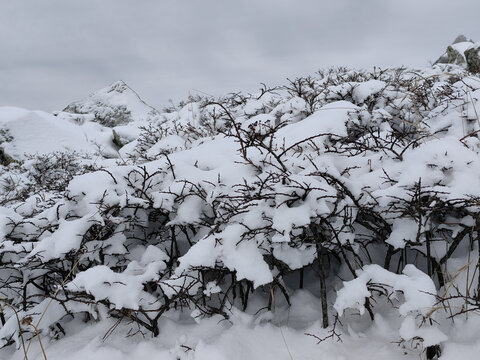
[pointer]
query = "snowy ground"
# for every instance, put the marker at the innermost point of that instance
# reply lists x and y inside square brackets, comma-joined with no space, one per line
[278,335]
[329,191]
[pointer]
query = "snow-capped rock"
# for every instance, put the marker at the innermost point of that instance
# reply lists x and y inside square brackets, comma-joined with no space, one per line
[462,52]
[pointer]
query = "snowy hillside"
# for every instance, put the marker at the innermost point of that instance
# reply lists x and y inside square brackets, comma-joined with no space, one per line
[100,124]
[335,215]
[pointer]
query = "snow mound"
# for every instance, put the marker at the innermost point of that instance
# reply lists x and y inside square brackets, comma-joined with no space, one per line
[38,132]
[113,105]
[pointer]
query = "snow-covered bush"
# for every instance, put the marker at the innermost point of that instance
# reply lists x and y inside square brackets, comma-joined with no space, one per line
[346,174]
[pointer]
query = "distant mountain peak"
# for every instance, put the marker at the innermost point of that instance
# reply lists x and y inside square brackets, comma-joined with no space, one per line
[114,105]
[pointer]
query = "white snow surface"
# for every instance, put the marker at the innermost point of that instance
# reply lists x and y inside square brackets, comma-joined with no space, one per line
[275,335]
[188,173]
[37,132]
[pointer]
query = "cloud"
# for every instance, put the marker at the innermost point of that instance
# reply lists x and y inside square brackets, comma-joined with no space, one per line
[56,51]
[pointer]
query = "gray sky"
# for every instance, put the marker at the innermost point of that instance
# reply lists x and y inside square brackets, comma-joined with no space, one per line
[55,51]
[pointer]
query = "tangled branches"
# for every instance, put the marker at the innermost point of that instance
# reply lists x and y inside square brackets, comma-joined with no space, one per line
[225,198]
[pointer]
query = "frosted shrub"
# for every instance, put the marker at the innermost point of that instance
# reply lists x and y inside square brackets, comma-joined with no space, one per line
[351,174]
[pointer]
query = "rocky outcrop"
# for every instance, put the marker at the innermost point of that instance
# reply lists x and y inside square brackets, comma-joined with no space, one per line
[5,159]
[473,59]
[462,52]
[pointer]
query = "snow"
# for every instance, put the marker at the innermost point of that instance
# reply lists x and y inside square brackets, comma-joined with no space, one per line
[330,118]
[295,258]
[123,290]
[402,230]
[175,230]
[461,47]
[37,132]
[243,257]
[366,89]
[419,294]
[431,335]
[417,287]
[67,237]
[211,338]
[286,217]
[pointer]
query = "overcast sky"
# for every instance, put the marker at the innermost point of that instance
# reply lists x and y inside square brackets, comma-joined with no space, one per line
[55,51]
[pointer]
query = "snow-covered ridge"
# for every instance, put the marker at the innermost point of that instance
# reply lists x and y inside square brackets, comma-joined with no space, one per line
[356,183]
